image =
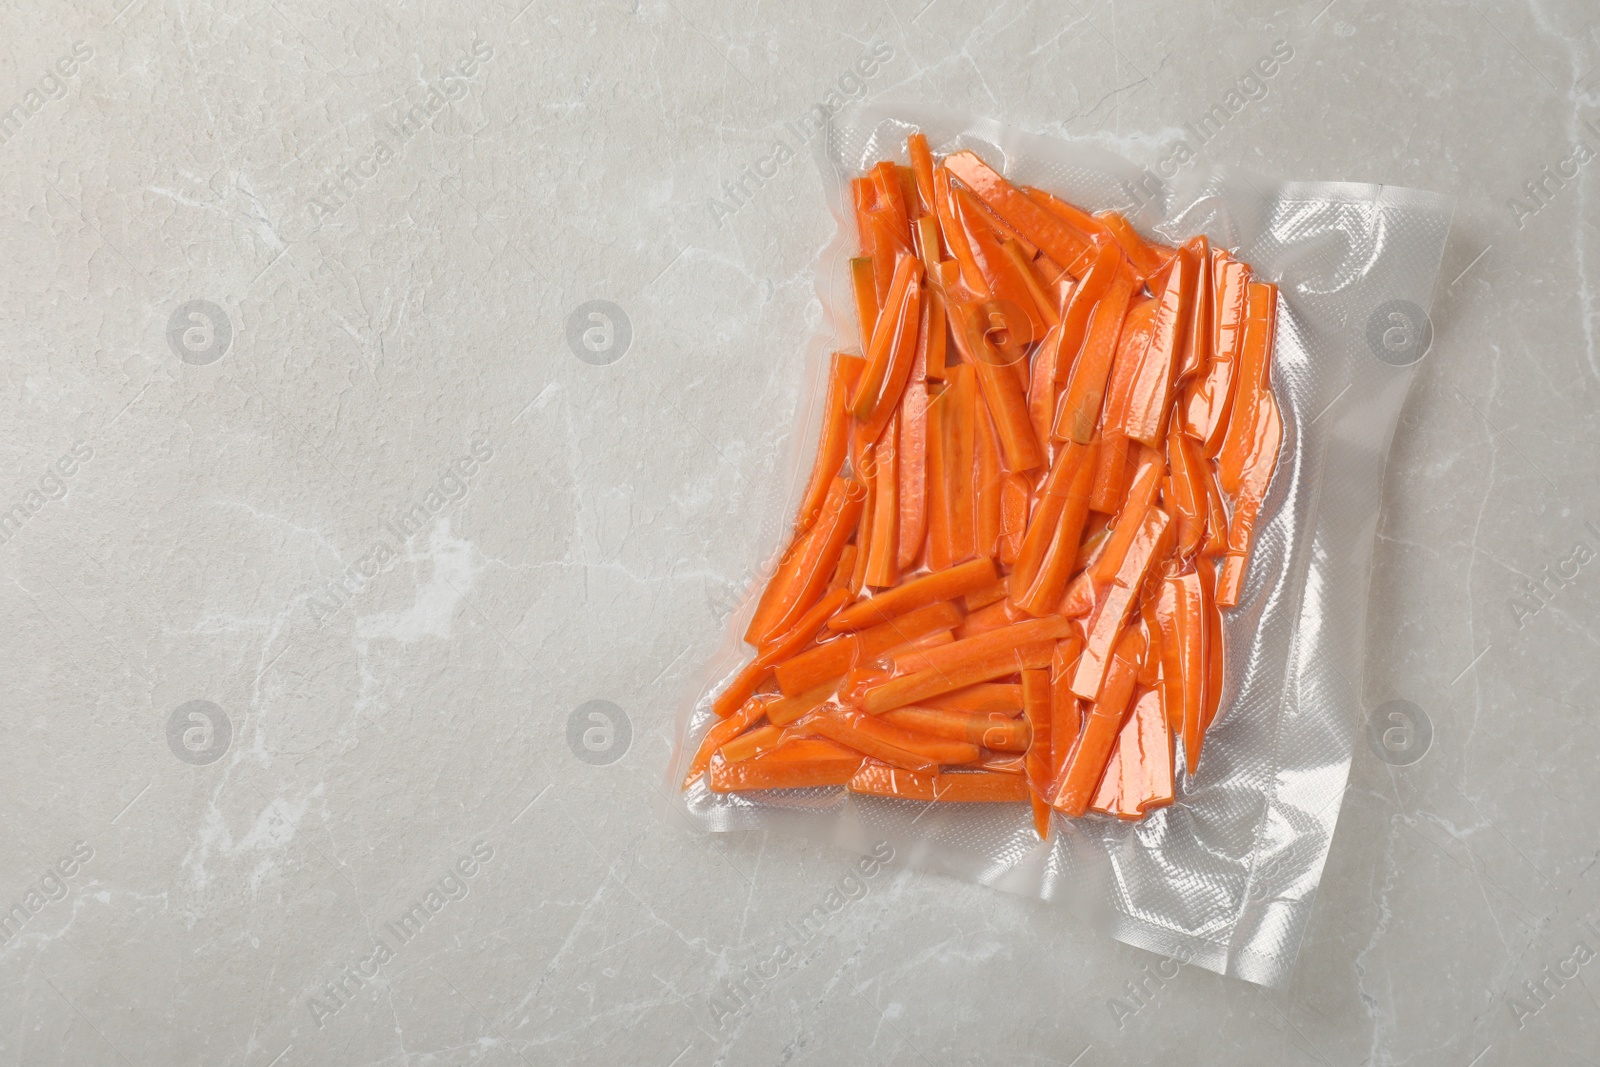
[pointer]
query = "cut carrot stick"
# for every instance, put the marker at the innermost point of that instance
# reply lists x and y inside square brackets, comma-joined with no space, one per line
[1047,513]
[1154,782]
[1107,266]
[1143,413]
[1211,394]
[892,200]
[1043,303]
[937,357]
[911,526]
[984,596]
[1132,345]
[864,285]
[1195,351]
[1111,467]
[922,167]
[1066,712]
[883,547]
[786,709]
[751,744]
[976,659]
[1140,496]
[916,593]
[723,731]
[1146,258]
[1188,502]
[828,662]
[1060,242]
[940,554]
[1255,354]
[1036,710]
[1042,595]
[1014,500]
[1250,454]
[954,233]
[1088,761]
[1042,384]
[960,441]
[1002,390]
[1079,409]
[898,306]
[1000,275]
[990,696]
[992,730]
[902,748]
[1247,505]
[1215,646]
[804,575]
[768,773]
[986,485]
[834,440]
[965,787]
[1189,633]
[1151,543]
[779,649]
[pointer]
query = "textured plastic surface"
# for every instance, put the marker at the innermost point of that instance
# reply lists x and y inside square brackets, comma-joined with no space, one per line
[1225,877]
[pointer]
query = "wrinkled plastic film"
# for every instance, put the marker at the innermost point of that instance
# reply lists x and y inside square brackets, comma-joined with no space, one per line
[1223,878]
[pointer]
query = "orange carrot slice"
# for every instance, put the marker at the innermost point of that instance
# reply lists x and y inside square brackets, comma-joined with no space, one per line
[1042,594]
[864,285]
[964,787]
[802,577]
[1143,413]
[960,443]
[1079,410]
[871,736]
[769,773]
[1068,247]
[916,593]
[976,659]
[911,525]
[1037,711]
[991,730]
[1210,396]
[1090,757]
[991,696]
[1002,389]
[834,440]
[720,733]
[922,167]
[828,662]
[887,334]
[883,546]
[1000,275]
[746,681]
[1066,711]
[1150,543]
[987,480]
[752,743]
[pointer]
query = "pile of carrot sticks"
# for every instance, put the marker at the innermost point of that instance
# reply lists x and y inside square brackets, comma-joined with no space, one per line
[1035,491]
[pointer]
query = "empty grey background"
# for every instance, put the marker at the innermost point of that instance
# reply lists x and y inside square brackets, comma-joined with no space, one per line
[385,317]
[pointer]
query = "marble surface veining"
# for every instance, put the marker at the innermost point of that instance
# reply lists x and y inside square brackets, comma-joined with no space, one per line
[331,512]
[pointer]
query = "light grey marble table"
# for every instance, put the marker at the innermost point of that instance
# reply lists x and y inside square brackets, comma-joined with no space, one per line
[320,533]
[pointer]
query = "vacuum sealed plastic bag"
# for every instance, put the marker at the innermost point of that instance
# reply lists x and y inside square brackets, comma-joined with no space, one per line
[1072,601]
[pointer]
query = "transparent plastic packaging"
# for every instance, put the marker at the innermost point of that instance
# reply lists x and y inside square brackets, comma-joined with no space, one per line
[1223,878]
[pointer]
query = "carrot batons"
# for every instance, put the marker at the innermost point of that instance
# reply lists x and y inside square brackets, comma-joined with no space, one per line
[1035,493]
